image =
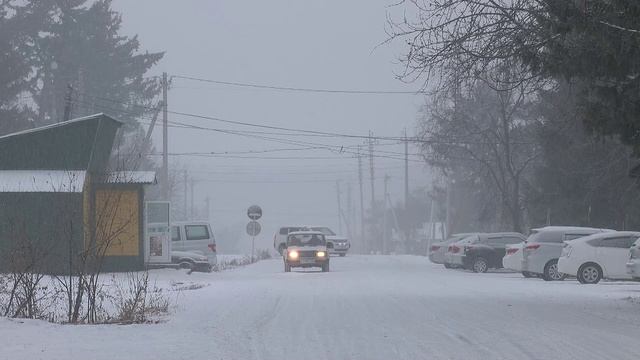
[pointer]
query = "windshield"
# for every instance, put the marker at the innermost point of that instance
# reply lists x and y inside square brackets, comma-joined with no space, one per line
[306,240]
[324,230]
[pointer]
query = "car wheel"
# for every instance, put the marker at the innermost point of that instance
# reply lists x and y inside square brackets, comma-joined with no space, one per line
[325,267]
[551,272]
[186,265]
[343,255]
[287,267]
[527,274]
[480,265]
[448,266]
[589,273]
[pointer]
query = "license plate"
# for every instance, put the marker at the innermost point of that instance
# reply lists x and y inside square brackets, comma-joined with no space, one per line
[307,261]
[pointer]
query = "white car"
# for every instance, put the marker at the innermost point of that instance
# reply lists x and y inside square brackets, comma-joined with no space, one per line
[455,252]
[512,259]
[544,246]
[337,244]
[603,255]
[438,250]
[306,249]
[633,265]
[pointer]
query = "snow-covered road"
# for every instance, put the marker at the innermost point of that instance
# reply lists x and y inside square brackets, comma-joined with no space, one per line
[368,307]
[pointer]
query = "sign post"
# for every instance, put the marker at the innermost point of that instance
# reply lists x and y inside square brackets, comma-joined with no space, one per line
[254,212]
[253,227]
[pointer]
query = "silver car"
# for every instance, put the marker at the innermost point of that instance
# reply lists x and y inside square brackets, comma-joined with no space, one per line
[544,246]
[438,250]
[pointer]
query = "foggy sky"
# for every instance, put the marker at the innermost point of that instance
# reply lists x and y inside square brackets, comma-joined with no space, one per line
[318,44]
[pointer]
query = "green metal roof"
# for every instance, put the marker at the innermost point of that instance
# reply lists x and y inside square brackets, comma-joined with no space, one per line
[78,144]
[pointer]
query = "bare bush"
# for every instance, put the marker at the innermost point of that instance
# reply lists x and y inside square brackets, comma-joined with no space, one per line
[261,254]
[136,300]
[22,290]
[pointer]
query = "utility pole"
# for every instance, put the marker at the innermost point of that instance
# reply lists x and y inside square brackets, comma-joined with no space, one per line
[372,171]
[67,103]
[406,170]
[447,221]
[384,214]
[349,218]
[207,209]
[548,216]
[193,183]
[406,230]
[186,206]
[80,93]
[339,207]
[372,178]
[165,137]
[147,137]
[362,234]
[432,227]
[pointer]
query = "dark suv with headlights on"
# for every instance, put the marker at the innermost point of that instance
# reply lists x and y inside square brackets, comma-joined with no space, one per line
[306,249]
[487,250]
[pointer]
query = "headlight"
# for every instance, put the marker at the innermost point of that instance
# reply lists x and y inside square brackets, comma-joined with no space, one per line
[321,254]
[293,254]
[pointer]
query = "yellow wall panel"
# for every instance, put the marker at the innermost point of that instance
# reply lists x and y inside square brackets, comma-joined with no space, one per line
[117,222]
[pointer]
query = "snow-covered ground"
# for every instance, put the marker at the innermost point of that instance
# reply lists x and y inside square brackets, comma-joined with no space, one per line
[368,307]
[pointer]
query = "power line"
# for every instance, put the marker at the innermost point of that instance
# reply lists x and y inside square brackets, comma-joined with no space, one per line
[299,89]
[314,132]
[335,148]
[299,170]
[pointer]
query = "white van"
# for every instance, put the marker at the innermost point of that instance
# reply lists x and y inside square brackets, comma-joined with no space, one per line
[196,237]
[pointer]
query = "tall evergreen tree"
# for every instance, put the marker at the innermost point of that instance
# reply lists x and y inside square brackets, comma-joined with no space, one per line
[15,82]
[83,48]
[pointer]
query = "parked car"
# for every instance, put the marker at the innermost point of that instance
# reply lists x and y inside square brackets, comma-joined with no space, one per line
[592,258]
[488,251]
[453,255]
[633,265]
[191,261]
[280,237]
[195,237]
[512,259]
[306,249]
[544,246]
[337,244]
[438,249]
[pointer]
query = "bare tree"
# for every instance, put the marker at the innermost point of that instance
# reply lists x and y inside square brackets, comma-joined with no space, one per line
[454,40]
[488,132]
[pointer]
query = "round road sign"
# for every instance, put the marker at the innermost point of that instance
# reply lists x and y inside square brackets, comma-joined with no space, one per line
[253,228]
[254,212]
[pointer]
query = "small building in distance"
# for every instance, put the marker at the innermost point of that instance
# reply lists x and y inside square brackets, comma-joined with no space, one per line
[62,208]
